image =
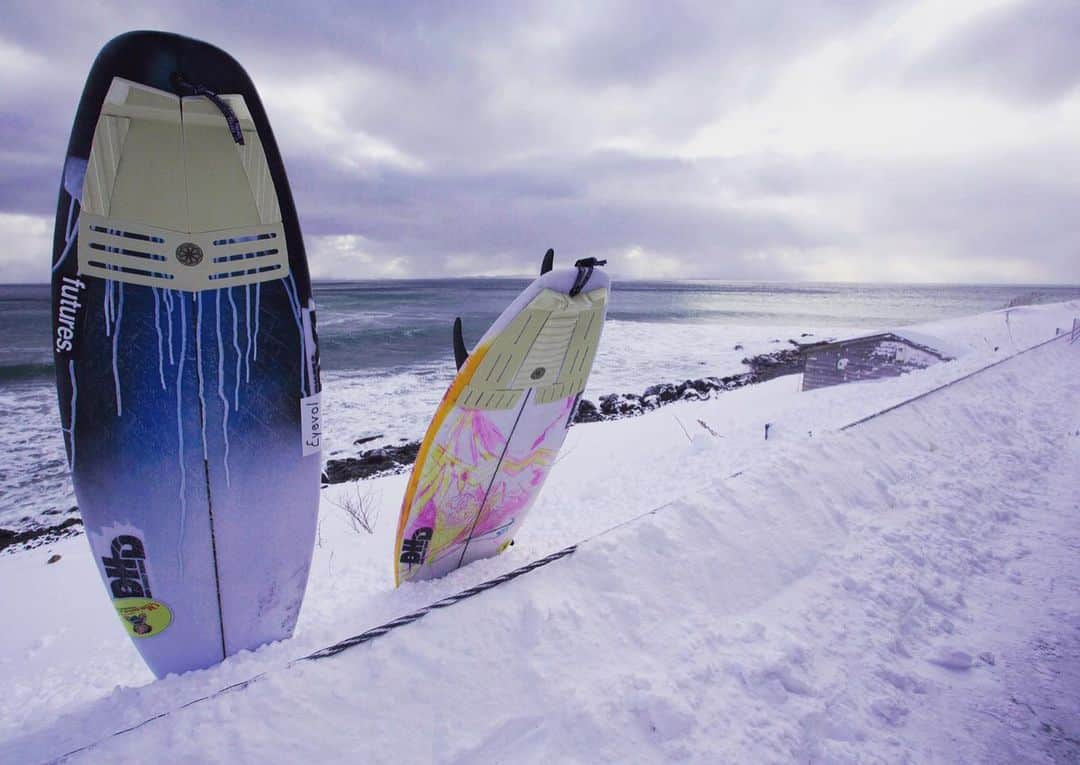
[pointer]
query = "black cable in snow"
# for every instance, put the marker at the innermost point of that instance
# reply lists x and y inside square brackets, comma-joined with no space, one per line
[401,621]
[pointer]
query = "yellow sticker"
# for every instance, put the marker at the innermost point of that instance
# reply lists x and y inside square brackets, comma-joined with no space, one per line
[143,617]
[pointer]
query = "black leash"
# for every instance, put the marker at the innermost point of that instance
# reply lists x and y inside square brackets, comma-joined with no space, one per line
[180,84]
[584,268]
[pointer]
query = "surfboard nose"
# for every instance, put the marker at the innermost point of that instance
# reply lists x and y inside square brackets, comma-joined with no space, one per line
[152,57]
[171,199]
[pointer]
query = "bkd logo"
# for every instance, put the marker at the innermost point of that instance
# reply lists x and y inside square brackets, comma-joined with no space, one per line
[413,551]
[126,568]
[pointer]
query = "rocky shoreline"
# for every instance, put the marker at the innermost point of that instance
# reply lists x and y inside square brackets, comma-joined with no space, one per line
[39,535]
[388,460]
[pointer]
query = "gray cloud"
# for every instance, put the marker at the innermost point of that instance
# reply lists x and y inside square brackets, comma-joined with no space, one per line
[1026,52]
[446,138]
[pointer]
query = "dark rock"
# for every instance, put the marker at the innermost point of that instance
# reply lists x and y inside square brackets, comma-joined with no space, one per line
[621,405]
[701,385]
[769,365]
[664,392]
[366,439]
[382,461]
[738,346]
[587,412]
[55,557]
[39,535]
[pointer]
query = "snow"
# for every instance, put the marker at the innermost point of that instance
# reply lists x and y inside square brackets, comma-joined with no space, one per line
[904,591]
[1008,329]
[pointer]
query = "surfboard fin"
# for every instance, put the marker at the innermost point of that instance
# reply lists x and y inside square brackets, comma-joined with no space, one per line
[461,353]
[549,261]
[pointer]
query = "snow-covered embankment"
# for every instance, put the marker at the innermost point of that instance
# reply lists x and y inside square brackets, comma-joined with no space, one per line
[908,588]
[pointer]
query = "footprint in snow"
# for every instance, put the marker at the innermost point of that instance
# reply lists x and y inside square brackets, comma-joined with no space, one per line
[954,659]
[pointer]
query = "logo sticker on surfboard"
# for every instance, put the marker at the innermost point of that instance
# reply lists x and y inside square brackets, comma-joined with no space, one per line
[311,424]
[414,550]
[125,566]
[127,570]
[143,617]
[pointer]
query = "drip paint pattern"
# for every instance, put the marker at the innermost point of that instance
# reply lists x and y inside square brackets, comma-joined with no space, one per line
[241,361]
[200,368]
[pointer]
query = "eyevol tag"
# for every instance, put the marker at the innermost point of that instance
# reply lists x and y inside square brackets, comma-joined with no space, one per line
[311,424]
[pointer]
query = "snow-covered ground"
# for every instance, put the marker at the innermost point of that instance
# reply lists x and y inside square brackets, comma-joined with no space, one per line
[904,591]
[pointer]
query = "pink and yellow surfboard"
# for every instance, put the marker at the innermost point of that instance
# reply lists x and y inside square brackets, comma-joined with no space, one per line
[500,425]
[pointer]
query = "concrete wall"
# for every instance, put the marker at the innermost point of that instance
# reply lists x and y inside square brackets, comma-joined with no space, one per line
[863,359]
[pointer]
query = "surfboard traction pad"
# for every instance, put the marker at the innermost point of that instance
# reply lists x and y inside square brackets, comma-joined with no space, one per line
[549,347]
[156,212]
[496,434]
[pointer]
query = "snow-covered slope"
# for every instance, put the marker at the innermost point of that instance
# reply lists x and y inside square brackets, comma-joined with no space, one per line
[905,590]
[1008,328]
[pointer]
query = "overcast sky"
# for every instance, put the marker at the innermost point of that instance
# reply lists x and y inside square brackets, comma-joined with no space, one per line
[753,139]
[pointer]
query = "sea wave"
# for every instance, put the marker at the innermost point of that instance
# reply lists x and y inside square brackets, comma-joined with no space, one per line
[26,372]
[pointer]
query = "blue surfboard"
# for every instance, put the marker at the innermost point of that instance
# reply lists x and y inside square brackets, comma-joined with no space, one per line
[186,353]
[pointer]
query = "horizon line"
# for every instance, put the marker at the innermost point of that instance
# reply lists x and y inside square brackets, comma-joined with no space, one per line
[647,280]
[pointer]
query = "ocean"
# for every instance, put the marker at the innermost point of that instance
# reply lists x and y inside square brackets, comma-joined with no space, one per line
[387,358]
